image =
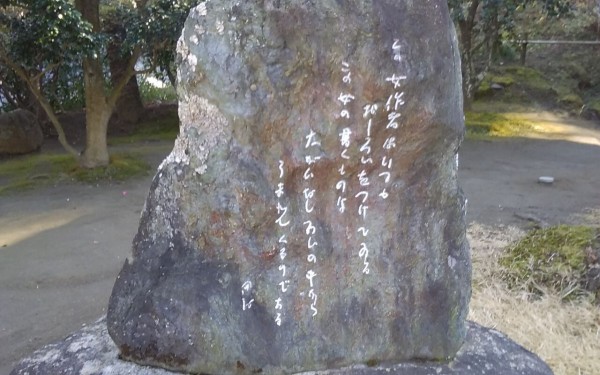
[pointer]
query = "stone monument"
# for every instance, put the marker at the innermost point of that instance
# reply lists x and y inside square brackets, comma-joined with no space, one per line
[309,216]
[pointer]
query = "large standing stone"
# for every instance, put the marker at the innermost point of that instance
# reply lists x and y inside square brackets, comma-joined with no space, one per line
[20,132]
[308,216]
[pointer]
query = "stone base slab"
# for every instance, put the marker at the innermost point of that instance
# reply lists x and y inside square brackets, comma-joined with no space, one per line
[91,351]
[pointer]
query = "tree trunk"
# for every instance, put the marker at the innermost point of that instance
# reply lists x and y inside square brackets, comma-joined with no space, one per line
[97,108]
[129,107]
[62,138]
[467,63]
[466,54]
[171,76]
[96,151]
[97,114]
[523,53]
[598,19]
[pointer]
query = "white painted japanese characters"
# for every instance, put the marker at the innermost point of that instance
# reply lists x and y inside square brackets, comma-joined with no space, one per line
[355,138]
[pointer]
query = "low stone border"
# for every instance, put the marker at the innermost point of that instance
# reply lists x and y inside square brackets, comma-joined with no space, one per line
[91,351]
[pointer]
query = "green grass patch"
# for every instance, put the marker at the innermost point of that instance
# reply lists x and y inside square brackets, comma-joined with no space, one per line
[557,259]
[523,84]
[122,167]
[491,125]
[529,78]
[501,106]
[163,128]
[504,80]
[485,88]
[31,171]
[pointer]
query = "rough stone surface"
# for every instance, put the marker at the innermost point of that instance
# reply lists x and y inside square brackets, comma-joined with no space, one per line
[91,352]
[309,215]
[20,133]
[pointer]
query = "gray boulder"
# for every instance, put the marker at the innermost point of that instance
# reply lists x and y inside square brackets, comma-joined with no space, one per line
[20,132]
[92,352]
[309,215]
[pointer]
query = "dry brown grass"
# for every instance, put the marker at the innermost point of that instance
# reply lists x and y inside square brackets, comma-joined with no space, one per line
[565,335]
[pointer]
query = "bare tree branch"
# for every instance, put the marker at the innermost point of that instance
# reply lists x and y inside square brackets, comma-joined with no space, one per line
[35,90]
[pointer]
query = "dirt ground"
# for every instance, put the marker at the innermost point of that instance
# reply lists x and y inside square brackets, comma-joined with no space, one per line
[62,247]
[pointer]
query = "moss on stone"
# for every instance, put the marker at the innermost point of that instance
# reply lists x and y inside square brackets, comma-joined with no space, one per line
[485,88]
[504,80]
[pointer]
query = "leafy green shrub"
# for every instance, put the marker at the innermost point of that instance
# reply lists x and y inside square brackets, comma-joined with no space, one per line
[485,88]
